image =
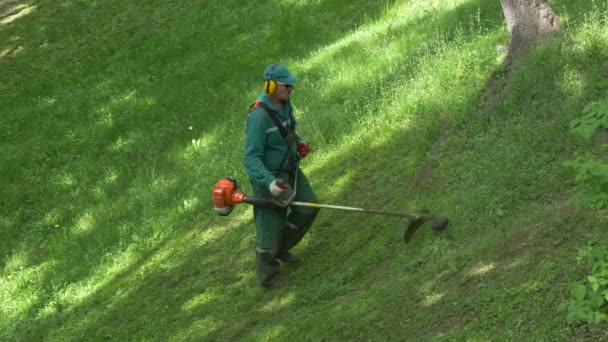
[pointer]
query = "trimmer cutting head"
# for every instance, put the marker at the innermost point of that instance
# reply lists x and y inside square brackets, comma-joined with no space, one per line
[412,228]
[438,224]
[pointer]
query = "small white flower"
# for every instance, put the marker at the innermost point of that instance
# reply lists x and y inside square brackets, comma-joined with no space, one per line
[190,128]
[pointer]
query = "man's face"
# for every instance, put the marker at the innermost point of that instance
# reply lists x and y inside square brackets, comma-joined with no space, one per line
[283,91]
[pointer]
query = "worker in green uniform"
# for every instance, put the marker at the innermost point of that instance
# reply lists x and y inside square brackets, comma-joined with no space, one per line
[272,154]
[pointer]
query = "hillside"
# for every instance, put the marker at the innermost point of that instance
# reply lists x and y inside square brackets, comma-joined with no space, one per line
[117,118]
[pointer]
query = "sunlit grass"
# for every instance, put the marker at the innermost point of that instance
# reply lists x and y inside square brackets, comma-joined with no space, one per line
[200,299]
[19,11]
[481,270]
[433,298]
[115,138]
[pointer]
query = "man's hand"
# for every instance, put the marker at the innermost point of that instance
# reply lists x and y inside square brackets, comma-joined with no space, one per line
[277,187]
[303,148]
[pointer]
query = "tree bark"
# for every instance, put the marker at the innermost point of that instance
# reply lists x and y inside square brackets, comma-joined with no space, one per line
[529,22]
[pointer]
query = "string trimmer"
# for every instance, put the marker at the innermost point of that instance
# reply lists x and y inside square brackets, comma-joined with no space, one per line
[225,196]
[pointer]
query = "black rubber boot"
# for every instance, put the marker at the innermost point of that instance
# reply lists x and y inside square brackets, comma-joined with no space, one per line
[277,282]
[292,235]
[267,267]
[288,258]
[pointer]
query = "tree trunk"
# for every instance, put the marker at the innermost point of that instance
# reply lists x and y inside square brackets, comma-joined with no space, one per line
[529,22]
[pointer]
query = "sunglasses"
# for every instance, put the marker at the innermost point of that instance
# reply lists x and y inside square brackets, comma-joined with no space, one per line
[287,86]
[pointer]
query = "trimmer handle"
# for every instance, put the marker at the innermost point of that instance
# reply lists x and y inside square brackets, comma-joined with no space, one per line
[260,202]
[225,196]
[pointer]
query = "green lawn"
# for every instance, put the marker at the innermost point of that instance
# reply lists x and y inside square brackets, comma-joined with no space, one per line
[117,117]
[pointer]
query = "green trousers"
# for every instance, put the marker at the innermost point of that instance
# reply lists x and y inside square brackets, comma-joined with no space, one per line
[280,229]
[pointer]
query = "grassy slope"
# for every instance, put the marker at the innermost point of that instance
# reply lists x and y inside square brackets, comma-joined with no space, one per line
[106,231]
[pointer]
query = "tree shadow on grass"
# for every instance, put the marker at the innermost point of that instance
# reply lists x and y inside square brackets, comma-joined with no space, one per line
[114,107]
[10,8]
[179,78]
[127,150]
[518,257]
[564,229]
[487,306]
[123,192]
[183,278]
[495,293]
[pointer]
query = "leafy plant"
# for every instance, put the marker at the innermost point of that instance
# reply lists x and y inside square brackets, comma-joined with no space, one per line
[595,117]
[592,181]
[589,302]
[591,174]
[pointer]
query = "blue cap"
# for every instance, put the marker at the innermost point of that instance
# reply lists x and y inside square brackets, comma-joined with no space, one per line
[279,73]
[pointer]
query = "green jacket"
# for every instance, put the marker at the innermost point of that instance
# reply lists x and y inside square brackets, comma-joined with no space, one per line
[265,148]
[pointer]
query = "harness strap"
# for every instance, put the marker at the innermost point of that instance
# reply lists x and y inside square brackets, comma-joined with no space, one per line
[273,116]
[289,138]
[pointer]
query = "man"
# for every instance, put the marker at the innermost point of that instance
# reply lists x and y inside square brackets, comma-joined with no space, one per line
[272,153]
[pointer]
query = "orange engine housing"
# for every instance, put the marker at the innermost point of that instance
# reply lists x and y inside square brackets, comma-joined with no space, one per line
[225,196]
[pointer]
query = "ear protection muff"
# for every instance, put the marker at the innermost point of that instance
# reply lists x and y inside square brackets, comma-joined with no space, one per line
[270,86]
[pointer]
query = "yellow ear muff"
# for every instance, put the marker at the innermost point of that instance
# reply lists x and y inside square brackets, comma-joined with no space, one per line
[270,86]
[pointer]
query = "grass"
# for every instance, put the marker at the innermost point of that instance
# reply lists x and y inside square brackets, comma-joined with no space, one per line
[118,117]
